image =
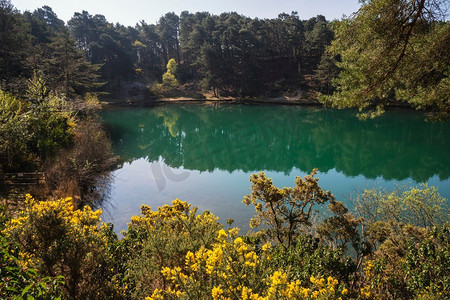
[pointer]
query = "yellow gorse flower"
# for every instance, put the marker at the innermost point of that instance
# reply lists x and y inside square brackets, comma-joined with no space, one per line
[216,292]
[365,292]
[266,247]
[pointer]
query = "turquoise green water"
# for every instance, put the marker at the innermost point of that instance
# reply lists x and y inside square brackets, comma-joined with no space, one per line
[205,154]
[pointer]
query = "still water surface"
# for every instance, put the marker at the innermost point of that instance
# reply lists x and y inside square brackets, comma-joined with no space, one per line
[205,154]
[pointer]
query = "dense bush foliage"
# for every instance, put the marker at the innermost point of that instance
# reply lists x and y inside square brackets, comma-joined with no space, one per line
[83,170]
[56,239]
[51,250]
[18,280]
[43,131]
[161,238]
[31,130]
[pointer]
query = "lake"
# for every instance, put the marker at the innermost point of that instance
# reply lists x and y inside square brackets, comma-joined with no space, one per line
[204,154]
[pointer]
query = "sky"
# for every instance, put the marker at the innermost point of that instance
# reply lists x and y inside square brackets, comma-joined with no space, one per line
[130,12]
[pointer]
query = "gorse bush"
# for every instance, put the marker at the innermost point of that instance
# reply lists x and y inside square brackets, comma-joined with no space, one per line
[56,239]
[18,280]
[285,210]
[307,256]
[234,269]
[410,263]
[161,238]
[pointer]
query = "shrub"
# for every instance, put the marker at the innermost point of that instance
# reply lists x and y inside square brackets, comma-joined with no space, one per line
[14,134]
[161,238]
[285,210]
[32,130]
[83,170]
[56,239]
[420,206]
[307,256]
[411,262]
[233,269]
[18,281]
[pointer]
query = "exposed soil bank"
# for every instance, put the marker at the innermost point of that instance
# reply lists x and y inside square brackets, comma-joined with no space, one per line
[155,102]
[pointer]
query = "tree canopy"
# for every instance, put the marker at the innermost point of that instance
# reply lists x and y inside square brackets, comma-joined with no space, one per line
[228,54]
[390,52]
[394,51]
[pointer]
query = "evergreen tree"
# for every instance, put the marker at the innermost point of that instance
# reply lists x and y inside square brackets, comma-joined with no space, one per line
[69,72]
[14,44]
[394,51]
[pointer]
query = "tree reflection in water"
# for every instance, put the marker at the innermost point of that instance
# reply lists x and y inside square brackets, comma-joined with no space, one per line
[398,145]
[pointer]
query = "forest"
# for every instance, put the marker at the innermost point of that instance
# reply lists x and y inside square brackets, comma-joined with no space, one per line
[54,77]
[229,54]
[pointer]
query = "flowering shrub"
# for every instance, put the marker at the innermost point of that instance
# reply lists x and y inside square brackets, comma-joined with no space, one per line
[285,210]
[162,238]
[17,280]
[56,239]
[308,257]
[234,269]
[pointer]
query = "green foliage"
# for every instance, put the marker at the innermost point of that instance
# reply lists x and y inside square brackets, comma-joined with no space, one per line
[307,256]
[407,238]
[40,41]
[324,74]
[106,46]
[67,70]
[14,46]
[31,130]
[393,50]
[420,206]
[34,129]
[285,210]
[14,133]
[171,66]
[49,119]
[410,263]
[427,264]
[169,81]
